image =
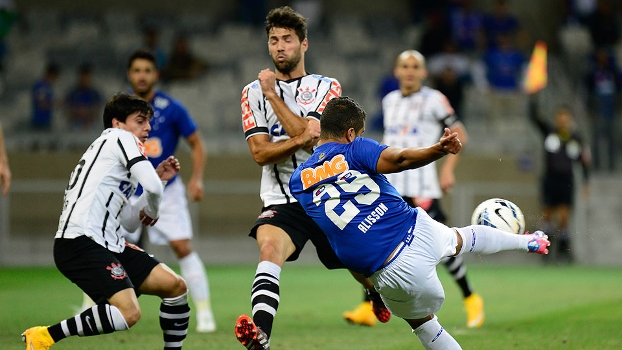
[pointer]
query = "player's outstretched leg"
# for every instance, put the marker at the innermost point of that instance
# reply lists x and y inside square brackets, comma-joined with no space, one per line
[249,335]
[99,319]
[487,240]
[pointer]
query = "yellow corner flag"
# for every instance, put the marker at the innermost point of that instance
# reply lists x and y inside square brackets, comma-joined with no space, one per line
[537,75]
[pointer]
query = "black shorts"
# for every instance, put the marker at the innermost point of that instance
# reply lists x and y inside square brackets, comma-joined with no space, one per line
[558,190]
[293,219]
[99,272]
[434,211]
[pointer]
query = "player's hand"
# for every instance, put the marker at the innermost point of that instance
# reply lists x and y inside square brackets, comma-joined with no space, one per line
[267,80]
[168,168]
[146,220]
[450,142]
[195,190]
[311,134]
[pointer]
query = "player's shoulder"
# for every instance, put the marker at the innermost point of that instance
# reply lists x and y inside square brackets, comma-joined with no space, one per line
[393,95]
[162,100]
[320,78]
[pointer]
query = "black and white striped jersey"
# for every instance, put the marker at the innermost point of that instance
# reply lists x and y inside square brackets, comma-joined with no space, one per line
[100,185]
[416,120]
[307,97]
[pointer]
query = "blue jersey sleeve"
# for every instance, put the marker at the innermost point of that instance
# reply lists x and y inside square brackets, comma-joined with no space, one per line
[366,152]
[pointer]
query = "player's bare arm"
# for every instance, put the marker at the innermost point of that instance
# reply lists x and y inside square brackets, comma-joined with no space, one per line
[394,159]
[293,124]
[198,153]
[447,178]
[265,152]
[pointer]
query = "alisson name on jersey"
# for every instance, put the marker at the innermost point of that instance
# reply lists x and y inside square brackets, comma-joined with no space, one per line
[333,167]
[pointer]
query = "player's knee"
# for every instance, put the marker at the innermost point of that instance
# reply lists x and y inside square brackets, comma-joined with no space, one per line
[131,316]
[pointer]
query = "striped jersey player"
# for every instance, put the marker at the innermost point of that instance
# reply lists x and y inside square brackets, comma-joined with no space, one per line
[100,186]
[305,96]
[416,120]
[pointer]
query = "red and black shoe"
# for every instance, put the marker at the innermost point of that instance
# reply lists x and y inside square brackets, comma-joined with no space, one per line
[380,310]
[249,335]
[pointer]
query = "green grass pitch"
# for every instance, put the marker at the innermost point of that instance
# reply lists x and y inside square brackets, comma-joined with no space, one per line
[526,308]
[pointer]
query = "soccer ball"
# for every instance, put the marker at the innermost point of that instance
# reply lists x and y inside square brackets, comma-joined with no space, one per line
[499,213]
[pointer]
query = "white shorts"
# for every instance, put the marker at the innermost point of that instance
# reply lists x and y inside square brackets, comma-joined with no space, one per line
[174,223]
[409,285]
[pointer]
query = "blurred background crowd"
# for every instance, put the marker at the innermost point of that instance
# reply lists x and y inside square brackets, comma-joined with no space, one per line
[60,61]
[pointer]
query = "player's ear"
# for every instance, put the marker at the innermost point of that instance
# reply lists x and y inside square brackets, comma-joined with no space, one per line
[305,45]
[115,122]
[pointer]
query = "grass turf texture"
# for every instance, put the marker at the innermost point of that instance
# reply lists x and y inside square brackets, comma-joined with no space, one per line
[526,308]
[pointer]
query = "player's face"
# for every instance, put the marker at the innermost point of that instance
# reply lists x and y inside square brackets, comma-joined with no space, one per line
[286,49]
[410,72]
[142,75]
[137,123]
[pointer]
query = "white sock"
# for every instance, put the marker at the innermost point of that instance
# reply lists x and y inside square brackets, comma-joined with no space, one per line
[488,240]
[434,337]
[193,271]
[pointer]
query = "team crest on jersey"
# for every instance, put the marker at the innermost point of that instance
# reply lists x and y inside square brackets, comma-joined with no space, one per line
[306,95]
[321,156]
[116,271]
[267,214]
[160,102]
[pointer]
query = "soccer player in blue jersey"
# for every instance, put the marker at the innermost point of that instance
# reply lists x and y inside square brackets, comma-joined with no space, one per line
[170,123]
[375,232]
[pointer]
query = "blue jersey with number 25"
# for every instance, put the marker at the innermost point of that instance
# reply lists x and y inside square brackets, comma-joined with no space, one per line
[360,212]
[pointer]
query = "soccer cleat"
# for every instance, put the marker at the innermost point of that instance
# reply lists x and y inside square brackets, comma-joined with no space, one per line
[380,310]
[205,321]
[37,338]
[474,306]
[251,336]
[538,243]
[362,315]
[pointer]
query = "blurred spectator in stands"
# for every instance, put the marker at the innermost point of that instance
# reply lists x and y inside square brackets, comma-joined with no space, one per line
[182,63]
[435,34]
[83,102]
[5,171]
[152,43]
[505,64]
[450,72]
[604,83]
[604,25]
[467,29]
[499,22]
[43,99]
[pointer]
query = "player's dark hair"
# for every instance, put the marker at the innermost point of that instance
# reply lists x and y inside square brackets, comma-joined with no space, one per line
[341,114]
[142,54]
[121,105]
[286,17]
